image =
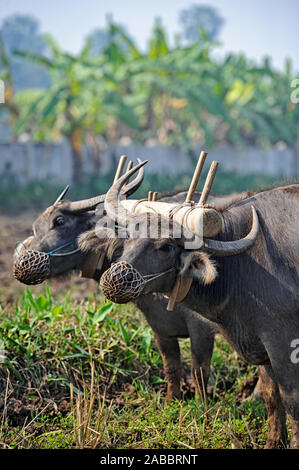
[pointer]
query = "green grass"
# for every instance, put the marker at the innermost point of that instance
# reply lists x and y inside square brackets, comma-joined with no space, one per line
[39,195]
[90,375]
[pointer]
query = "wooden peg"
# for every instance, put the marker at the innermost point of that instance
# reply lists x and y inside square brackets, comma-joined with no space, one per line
[208,183]
[196,176]
[120,167]
[130,166]
[155,195]
[150,196]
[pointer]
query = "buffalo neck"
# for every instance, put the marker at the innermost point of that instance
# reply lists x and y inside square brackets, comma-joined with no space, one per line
[266,274]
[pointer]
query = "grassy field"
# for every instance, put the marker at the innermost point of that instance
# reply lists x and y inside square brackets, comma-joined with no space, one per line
[88,374]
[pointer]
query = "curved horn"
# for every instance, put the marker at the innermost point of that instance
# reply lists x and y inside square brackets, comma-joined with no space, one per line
[134,185]
[86,204]
[237,247]
[115,210]
[61,196]
[92,203]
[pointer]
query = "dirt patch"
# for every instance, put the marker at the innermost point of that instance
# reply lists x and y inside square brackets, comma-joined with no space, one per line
[13,229]
[18,412]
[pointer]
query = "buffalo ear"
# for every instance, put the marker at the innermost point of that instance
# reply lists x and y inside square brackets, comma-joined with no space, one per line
[198,265]
[95,239]
[104,240]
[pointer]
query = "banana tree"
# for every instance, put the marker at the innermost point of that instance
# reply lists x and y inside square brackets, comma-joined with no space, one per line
[257,98]
[178,94]
[82,98]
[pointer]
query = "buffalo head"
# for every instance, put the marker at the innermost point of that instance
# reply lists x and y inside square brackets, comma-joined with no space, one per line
[155,262]
[53,249]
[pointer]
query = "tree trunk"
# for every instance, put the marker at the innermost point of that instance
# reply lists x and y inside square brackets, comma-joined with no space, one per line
[76,146]
[150,115]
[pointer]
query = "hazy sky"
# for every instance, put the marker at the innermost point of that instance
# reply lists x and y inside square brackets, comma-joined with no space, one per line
[257,27]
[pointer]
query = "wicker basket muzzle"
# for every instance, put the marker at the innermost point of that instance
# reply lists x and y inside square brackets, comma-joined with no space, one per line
[121,283]
[31,267]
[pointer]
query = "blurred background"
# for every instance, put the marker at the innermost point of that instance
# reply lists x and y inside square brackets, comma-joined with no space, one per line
[81,83]
[85,82]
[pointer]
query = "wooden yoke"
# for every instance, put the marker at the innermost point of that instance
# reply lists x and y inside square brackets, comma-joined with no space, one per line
[200,219]
[182,285]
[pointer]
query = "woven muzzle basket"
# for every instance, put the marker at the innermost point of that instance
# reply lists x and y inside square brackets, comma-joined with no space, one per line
[121,283]
[31,267]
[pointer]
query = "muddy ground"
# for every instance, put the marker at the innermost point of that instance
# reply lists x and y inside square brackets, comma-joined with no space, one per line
[17,228]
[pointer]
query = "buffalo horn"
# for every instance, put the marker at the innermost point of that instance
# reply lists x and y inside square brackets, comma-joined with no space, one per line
[115,210]
[220,248]
[92,203]
[61,196]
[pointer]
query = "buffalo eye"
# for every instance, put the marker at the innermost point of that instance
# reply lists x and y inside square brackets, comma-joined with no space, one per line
[167,247]
[58,221]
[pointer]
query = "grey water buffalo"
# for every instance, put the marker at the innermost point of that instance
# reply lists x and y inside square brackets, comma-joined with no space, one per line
[245,280]
[64,241]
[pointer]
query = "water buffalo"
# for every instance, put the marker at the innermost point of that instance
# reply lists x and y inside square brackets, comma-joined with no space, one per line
[245,280]
[75,222]
[66,230]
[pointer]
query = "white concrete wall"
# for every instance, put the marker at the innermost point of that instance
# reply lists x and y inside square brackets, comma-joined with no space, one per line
[30,161]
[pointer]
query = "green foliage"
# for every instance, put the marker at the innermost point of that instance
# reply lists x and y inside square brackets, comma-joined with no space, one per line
[102,359]
[39,195]
[81,94]
[177,95]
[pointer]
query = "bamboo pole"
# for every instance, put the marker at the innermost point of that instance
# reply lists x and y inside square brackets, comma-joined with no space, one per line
[196,176]
[208,183]
[120,167]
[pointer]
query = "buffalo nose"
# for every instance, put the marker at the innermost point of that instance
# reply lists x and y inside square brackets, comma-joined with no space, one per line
[31,267]
[121,283]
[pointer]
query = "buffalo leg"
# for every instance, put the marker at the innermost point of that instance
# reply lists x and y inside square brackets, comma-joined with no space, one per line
[277,433]
[202,343]
[170,352]
[200,375]
[200,369]
[290,396]
[294,423]
[258,390]
[285,368]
